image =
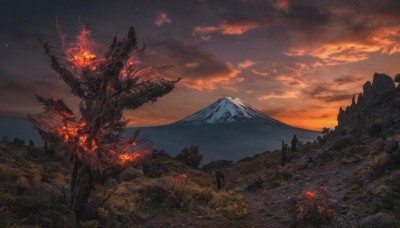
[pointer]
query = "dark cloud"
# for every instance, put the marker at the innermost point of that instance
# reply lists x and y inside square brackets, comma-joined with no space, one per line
[346,79]
[337,32]
[8,113]
[18,92]
[273,111]
[317,91]
[199,68]
[299,15]
[19,83]
[326,93]
[335,97]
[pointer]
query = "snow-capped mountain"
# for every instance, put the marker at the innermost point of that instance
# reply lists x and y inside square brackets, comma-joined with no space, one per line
[226,110]
[228,129]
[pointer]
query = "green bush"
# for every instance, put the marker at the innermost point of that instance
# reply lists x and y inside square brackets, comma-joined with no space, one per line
[190,156]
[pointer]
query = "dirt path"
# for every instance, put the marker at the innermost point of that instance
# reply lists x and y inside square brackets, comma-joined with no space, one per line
[269,208]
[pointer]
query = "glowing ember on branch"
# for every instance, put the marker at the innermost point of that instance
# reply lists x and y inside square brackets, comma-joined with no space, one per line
[83,58]
[310,195]
[80,53]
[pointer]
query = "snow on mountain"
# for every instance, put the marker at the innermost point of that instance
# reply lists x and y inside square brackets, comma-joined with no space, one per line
[226,110]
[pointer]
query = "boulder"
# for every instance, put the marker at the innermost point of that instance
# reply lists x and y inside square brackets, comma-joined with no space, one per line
[254,183]
[395,157]
[392,150]
[379,220]
[395,180]
[304,163]
[124,219]
[383,194]
[149,225]
[390,145]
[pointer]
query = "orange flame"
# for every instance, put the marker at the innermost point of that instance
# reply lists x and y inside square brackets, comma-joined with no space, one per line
[310,195]
[80,53]
[122,154]
[67,115]
[128,158]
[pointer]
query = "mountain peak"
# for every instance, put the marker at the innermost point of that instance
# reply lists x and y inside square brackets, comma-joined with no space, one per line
[226,110]
[236,100]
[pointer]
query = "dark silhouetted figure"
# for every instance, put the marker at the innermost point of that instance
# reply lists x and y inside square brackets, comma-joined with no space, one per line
[31,144]
[294,143]
[219,175]
[284,149]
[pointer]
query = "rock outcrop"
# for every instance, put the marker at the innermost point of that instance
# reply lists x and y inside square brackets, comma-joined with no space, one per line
[379,99]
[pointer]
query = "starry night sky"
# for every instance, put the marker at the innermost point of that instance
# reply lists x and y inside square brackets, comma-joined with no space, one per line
[295,60]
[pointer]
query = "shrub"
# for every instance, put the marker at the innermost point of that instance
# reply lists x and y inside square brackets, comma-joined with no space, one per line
[313,209]
[157,194]
[19,142]
[153,165]
[172,192]
[228,204]
[379,164]
[190,156]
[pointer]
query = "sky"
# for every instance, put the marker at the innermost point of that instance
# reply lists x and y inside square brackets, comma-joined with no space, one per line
[297,61]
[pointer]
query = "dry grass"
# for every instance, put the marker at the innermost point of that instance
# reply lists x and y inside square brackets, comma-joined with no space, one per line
[229,204]
[379,164]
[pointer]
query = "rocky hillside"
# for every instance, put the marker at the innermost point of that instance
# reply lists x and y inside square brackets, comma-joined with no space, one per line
[350,178]
[379,104]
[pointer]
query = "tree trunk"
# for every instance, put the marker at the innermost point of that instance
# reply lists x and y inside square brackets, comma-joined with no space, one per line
[82,184]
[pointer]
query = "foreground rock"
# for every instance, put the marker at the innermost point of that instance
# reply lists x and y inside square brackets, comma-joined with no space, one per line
[379,220]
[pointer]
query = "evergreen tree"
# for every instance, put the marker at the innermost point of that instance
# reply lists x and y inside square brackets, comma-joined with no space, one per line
[106,85]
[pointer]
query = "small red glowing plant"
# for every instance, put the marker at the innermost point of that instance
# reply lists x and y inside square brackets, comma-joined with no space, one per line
[313,208]
[178,187]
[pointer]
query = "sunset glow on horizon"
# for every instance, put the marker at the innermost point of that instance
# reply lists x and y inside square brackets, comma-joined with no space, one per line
[296,61]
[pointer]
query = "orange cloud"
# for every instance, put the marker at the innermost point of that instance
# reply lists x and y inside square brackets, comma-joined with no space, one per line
[228,28]
[282,4]
[162,18]
[238,28]
[211,82]
[291,81]
[279,95]
[385,41]
[246,64]
[136,121]
[263,74]
[206,29]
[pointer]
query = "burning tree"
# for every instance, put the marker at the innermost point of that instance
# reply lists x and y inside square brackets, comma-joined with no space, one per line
[106,84]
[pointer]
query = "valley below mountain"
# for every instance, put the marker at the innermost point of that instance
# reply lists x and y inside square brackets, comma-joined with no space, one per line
[228,129]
